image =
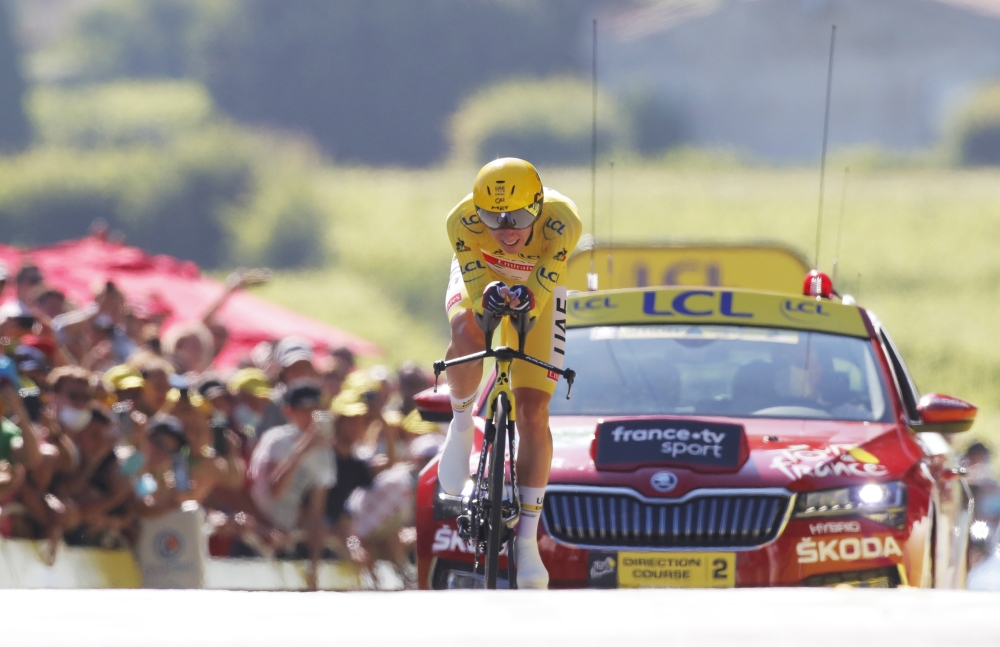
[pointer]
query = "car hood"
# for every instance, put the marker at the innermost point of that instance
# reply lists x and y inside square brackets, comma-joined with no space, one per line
[796,455]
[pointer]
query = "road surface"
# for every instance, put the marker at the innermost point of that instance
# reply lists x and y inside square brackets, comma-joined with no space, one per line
[704,618]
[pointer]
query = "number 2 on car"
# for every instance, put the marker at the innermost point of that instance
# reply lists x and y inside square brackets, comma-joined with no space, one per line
[639,570]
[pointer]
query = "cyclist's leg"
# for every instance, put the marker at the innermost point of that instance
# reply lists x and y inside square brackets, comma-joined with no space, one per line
[534,457]
[463,382]
[533,388]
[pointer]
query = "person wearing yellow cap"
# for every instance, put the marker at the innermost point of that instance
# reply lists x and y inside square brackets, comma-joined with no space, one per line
[350,424]
[414,425]
[252,391]
[126,383]
[361,381]
[371,506]
[383,426]
[351,403]
[351,420]
[512,238]
[156,372]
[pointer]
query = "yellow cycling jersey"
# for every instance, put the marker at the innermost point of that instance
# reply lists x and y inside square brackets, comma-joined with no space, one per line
[540,265]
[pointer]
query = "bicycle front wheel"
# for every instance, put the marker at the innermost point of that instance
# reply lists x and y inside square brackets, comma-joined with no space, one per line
[494,539]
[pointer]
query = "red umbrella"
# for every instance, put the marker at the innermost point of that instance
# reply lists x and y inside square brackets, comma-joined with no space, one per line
[161,284]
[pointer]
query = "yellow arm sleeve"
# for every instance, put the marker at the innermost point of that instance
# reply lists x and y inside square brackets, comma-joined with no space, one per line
[560,230]
[464,230]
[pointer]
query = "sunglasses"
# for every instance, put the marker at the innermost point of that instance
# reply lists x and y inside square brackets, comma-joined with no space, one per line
[517,219]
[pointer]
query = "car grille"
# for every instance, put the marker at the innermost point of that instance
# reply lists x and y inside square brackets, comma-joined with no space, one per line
[613,518]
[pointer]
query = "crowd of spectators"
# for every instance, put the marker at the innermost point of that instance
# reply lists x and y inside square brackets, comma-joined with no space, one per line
[107,422]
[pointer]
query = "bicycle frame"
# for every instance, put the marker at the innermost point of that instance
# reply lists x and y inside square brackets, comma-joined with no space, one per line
[502,385]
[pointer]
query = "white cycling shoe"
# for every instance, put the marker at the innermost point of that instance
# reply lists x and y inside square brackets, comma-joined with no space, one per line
[453,468]
[531,573]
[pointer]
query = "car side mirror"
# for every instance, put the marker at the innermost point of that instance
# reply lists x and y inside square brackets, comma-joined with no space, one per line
[434,406]
[945,414]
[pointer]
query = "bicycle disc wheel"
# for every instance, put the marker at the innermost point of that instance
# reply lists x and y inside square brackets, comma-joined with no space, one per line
[496,480]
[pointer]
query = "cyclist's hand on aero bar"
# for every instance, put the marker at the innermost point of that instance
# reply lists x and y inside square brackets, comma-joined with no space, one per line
[502,300]
[521,299]
[499,301]
[495,298]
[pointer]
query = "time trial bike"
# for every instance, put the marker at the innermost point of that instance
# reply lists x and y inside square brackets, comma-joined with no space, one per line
[491,510]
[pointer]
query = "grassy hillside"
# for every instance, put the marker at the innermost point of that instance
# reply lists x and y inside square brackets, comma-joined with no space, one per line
[921,241]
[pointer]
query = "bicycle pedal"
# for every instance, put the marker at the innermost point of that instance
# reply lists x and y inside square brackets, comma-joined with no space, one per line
[511,514]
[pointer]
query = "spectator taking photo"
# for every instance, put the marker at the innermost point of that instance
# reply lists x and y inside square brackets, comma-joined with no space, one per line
[293,467]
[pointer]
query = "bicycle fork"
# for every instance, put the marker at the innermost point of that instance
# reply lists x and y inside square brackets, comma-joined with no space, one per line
[512,508]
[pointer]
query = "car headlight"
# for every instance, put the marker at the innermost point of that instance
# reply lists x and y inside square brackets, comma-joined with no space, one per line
[881,502]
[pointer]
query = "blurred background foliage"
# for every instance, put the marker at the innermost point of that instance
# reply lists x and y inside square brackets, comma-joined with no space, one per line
[119,113]
[168,200]
[15,133]
[157,163]
[197,127]
[975,130]
[546,120]
[298,69]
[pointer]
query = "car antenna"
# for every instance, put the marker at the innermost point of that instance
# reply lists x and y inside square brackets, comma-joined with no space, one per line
[592,274]
[826,133]
[840,223]
[611,227]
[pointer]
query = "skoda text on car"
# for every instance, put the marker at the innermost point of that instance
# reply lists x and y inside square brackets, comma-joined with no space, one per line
[720,437]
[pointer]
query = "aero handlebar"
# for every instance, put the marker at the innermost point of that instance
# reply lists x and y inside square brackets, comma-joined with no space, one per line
[505,354]
[489,321]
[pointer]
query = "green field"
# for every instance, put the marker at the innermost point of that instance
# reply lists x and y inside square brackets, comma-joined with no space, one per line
[917,249]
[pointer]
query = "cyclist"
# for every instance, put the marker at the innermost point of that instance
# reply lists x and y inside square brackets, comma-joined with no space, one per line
[509,230]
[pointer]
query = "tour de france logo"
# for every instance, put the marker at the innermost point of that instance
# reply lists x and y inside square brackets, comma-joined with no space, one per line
[168,544]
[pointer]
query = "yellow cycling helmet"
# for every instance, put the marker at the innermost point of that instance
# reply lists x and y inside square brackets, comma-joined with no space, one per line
[508,194]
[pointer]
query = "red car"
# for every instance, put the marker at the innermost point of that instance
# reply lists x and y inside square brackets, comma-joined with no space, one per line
[720,438]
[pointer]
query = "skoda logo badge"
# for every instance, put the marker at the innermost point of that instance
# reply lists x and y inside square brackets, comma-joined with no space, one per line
[663,481]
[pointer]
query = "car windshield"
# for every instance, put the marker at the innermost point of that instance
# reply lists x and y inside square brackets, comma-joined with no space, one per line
[721,371]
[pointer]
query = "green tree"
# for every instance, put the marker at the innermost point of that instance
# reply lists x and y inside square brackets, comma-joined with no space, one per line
[545,120]
[974,132]
[156,162]
[15,131]
[376,82]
